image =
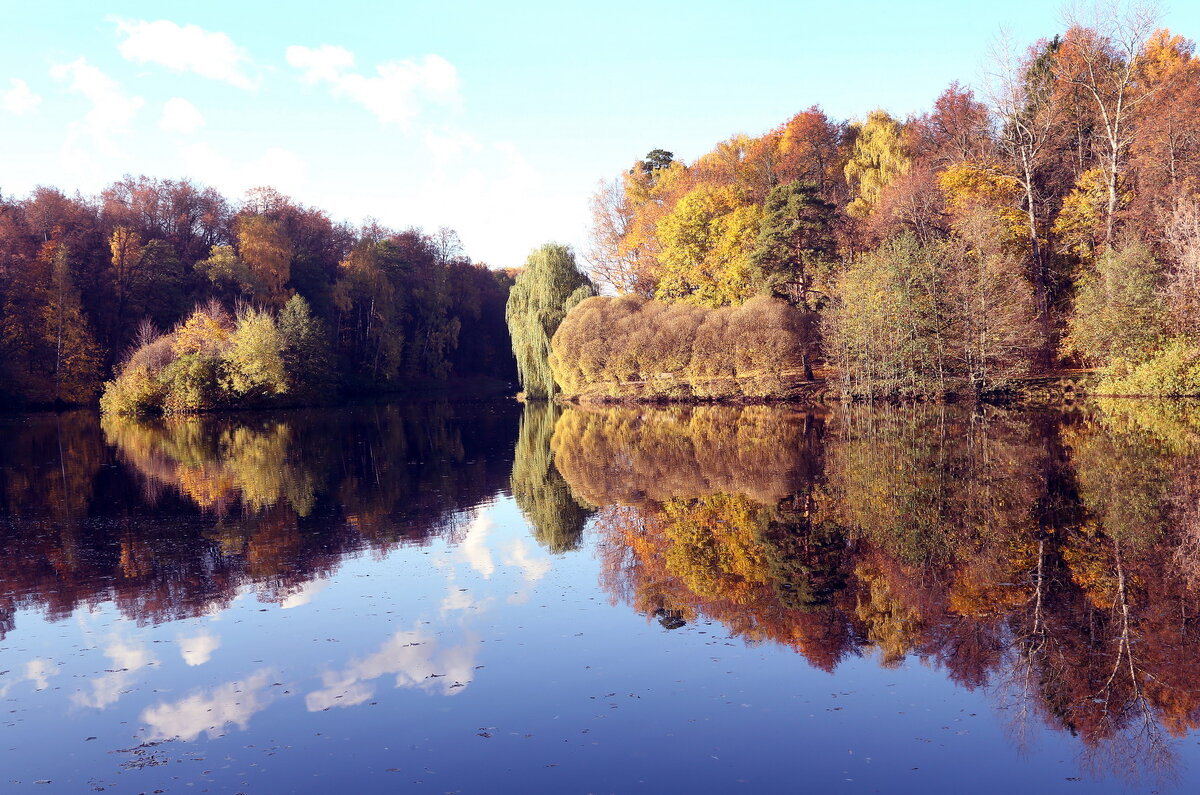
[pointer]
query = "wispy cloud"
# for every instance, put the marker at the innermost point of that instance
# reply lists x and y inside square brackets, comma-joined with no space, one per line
[19,100]
[185,48]
[180,116]
[413,657]
[112,112]
[280,168]
[397,93]
[39,670]
[113,109]
[106,690]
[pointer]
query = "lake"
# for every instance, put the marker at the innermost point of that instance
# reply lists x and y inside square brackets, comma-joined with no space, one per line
[489,597]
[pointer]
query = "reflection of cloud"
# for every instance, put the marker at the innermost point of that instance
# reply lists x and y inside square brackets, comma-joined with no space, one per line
[533,567]
[457,599]
[107,688]
[39,670]
[305,594]
[232,703]
[413,657]
[474,546]
[199,650]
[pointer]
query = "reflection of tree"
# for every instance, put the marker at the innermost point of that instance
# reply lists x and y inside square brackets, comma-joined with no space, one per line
[177,516]
[49,467]
[215,463]
[625,454]
[545,499]
[1048,559]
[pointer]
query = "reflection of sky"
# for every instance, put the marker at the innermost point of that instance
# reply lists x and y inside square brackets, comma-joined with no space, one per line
[345,686]
[397,623]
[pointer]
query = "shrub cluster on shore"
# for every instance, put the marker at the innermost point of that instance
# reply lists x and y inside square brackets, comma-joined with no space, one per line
[634,347]
[217,360]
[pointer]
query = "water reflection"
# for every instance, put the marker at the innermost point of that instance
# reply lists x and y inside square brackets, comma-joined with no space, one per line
[172,518]
[554,514]
[1049,559]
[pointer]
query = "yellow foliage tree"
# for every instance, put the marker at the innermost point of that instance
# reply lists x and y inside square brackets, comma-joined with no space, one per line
[1080,224]
[878,158]
[264,246]
[706,243]
[970,187]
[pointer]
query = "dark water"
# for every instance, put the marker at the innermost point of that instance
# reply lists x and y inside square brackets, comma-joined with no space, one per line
[475,598]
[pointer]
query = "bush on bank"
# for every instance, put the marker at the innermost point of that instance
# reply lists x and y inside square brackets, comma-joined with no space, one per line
[217,360]
[630,346]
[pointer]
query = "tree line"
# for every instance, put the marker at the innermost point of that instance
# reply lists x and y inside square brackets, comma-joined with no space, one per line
[188,300]
[1049,218]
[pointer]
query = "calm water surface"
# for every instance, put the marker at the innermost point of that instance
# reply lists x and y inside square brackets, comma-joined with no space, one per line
[484,598]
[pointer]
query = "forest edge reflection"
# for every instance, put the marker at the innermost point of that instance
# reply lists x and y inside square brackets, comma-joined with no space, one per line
[1049,558]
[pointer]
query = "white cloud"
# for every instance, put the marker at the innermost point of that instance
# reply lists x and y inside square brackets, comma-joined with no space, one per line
[470,185]
[448,145]
[325,63]
[396,93]
[232,703]
[19,100]
[279,168]
[180,116]
[112,111]
[199,649]
[533,567]
[185,48]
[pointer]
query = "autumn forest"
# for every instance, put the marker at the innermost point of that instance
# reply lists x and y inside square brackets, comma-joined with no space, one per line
[1047,220]
[259,302]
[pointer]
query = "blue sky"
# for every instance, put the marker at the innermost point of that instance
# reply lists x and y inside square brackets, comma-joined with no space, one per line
[495,119]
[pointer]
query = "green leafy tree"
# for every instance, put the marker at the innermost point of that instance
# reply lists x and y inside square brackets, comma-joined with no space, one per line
[549,286]
[1119,312]
[883,333]
[253,361]
[916,319]
[304,346]
[656,159]
[796,250]
[228,274]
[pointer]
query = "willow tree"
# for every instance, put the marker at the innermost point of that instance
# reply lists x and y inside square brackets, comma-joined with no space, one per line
[544,292]
[878,157]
